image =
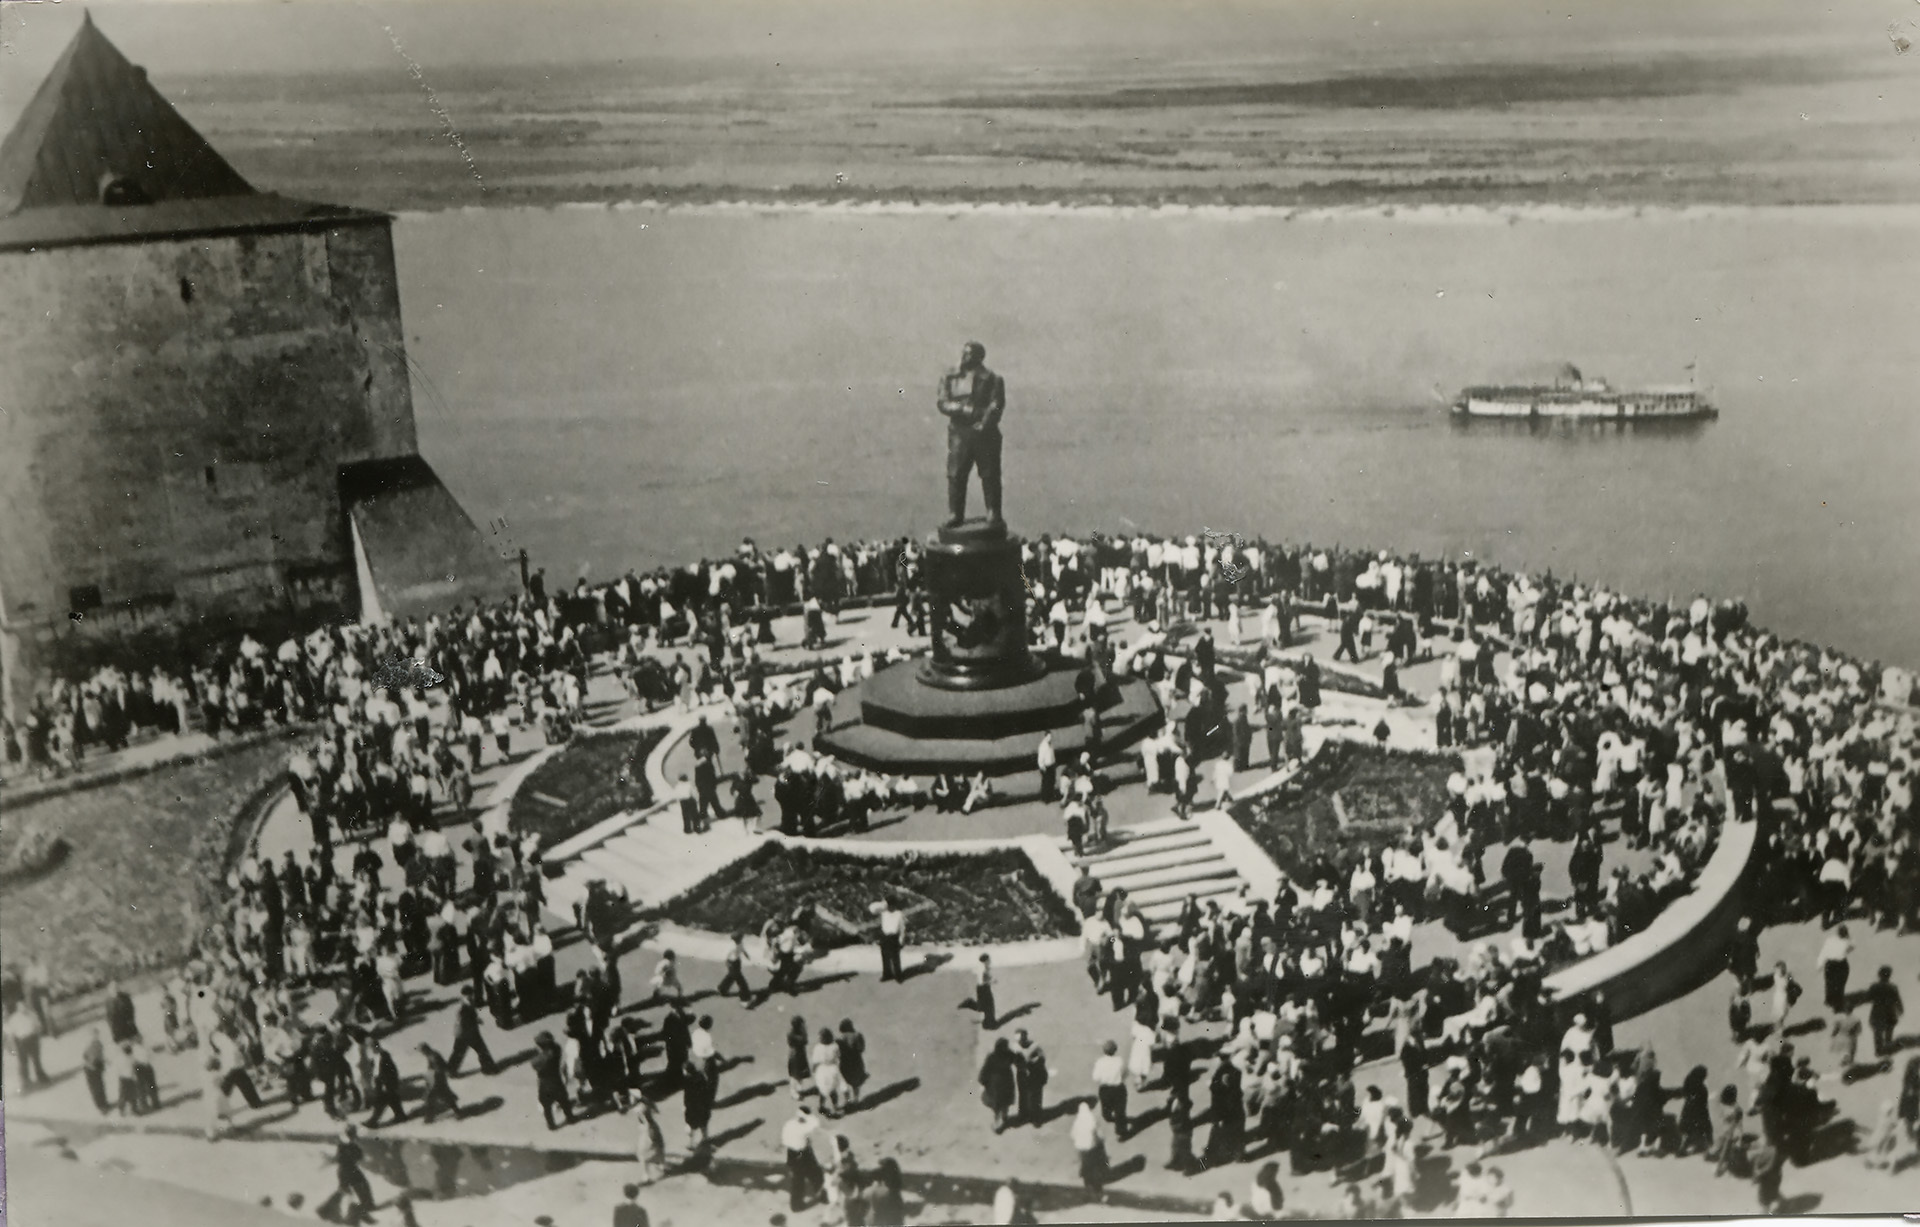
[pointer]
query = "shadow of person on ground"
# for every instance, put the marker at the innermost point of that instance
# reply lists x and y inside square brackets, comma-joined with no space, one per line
[820,982]
[745,1093]
[887,1093]
[930,962]
[1434,1184]
[734,1134]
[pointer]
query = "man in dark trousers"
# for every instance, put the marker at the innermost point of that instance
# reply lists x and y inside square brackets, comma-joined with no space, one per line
[689,806]
[93,1063]
[384,1094]
[552,1087]
[893,931]
[330,1067]
[1242,739]
[120,1024]
[706,787]
[1884,1009]
[347,1157]
[972,399]
[737,970]
[1276,714]
[466,1034]
[676,1039]
[1516,871]
[701,739]
[440,1096]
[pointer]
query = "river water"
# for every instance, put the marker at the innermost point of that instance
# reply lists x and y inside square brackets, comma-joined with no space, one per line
[623,387]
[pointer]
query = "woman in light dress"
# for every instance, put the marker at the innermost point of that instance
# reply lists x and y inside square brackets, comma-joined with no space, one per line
[824,1060]
[1785,994]
[1400,1153]
[1140,1056]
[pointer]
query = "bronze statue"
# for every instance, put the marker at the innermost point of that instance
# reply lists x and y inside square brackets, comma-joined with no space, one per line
[972,398]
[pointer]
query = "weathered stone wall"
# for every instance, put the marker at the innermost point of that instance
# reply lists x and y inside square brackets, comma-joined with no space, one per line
[173,418]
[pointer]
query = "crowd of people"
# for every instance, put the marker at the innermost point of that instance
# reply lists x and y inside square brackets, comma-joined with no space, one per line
[1578,716]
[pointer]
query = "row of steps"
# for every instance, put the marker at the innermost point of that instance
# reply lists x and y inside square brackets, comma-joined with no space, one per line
[1160,864]
[653,861]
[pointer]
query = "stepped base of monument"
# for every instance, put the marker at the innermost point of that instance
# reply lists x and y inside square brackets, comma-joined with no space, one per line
[914,701]
[995,731]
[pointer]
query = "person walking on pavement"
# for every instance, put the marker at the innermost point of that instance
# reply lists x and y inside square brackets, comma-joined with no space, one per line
[467,1037]
[1834,967]
[853,1061]
[893,935]
[1048,763]
[552,1085]
[1030,1078]
[983,993]
[384,1094]
[736,971]
[651,1148]
[1091,1149]
[23,1036]
[805,1180]
[998,1083]
[1110,1085]
[440,1096]
[689,806]
[93,1064]
[1884,1009]
[350,1180]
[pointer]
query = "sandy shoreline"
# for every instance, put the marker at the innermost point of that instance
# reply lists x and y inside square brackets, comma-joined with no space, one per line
[1420,214]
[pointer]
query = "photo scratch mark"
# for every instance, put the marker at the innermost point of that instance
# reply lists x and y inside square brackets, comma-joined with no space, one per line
[433,103]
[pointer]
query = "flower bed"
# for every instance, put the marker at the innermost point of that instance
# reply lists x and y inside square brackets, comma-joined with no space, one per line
[961,898]
[144,857]
[1349,797]
[592,778]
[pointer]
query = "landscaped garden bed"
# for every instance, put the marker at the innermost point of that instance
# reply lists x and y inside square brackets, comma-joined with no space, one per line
[145,858]
[958,898]
[1350,797]
[589,780]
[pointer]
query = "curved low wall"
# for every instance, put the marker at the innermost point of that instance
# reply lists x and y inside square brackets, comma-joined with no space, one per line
[1685,945]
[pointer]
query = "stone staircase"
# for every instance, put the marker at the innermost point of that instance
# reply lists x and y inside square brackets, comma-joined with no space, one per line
[653,859]
[1160,864]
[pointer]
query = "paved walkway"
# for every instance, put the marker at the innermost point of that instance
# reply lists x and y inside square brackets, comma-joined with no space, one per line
[924,1049]
[922,1104]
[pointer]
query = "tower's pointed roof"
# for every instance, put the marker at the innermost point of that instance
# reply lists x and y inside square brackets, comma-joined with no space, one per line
[97,117]
[99,156]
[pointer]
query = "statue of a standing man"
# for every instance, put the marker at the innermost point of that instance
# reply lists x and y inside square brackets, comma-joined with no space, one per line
[972,398]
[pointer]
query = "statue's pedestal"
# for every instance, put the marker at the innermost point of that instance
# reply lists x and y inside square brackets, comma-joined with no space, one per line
[982,700]
[977,598]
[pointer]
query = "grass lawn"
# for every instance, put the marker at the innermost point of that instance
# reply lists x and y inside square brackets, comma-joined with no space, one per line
[146,855]
[994,896]
[591,779]
[1349,797]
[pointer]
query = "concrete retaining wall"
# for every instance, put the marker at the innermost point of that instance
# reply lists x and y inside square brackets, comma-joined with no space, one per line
[1684,947]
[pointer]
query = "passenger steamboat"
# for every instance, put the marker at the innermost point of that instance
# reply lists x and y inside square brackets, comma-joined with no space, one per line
[1573,395]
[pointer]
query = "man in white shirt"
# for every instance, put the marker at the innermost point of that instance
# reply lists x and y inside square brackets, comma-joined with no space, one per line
[893,935]
[1835,967]
[803,1166]
[1110,1085]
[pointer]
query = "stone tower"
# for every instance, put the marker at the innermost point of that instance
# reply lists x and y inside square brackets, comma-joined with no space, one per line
[206,423]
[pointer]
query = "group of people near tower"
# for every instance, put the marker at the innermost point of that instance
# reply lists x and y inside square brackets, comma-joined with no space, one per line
[1580,717]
